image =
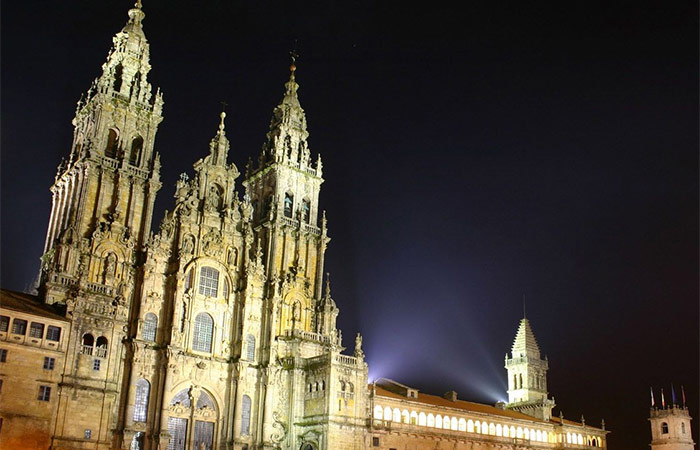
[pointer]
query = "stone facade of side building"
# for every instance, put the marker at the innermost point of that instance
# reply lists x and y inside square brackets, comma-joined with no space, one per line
[670,427]
[218,331]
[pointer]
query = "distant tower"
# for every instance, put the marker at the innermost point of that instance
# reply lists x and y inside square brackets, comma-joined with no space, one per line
[527,375]
[670,427]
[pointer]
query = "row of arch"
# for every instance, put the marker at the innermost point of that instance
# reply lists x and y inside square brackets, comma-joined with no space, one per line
[97,347]
[480,427]
[134,152]
[664,428]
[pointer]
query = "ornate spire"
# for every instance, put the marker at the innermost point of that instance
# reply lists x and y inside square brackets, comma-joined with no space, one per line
[286,142]
[525,343]
[219,145]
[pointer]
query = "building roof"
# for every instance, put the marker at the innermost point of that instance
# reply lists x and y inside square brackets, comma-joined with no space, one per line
[30,304]
[470,407]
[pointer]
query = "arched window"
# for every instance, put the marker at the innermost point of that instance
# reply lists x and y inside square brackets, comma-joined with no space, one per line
[414,418]
[404,416]
[143,389]
[101,345]
[342,386]
[421,419]
[499,430]
[470,426]
[88,343]
[150,325]
[135,153]
[323,385]
[521,380]
[111,148]
[387,413]
[245,415]
[250,347]
[225,288]
[351,387]
[664,428]
[438,421]
[306,210]
[288,205]
[203,333]
[506,431]
[477,427]
[683,427]
[515,381]
[431,420]
[208,281]
[453,424]
[462,425]
[378,412]
[397,415]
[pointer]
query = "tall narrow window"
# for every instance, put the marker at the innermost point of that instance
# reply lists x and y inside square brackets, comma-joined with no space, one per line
[135,153]
[305,210]
[143,389]
[683,427]
[521,380]
[203,332]
[664,428]
[49,363]
[245,415]
[250,347]
[225,288]
[118,72]
[150,325]
[208,281]
[36,330]
[288,205]
[111,148]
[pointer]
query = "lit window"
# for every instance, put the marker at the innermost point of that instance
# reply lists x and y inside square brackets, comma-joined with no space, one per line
[19,326]
[208,281]
[36,330]
[87,433]
[150,325]
[288,205]
[96,363]
[143,389]
[4,324]
[53,333]
[44,393]
[203,332]
[49,363]
[245,416]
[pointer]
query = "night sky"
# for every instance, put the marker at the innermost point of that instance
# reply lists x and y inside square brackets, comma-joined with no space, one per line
[471,157]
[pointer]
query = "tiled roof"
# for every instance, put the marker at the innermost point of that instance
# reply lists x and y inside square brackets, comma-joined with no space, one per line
[30,304]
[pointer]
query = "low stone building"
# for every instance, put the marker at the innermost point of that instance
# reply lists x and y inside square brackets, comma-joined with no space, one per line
[33,342]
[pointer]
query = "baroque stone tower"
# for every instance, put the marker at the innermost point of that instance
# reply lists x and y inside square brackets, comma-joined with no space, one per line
[670,426]
[103,200]
[527,375]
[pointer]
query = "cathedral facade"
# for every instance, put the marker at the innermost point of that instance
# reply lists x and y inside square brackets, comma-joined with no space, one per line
[218,331]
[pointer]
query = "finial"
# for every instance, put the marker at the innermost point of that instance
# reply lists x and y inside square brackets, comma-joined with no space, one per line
[651,390]
[328,284]
[221,124]
[294,55]
[602,424]
[524,310]
[583,420]
[138,4]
